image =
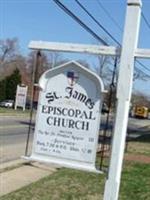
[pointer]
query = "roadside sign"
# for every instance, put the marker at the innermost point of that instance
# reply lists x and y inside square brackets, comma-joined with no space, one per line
[21,95]
[68,117]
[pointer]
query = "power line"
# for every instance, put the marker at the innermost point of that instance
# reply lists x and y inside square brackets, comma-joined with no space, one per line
[97,22]
[139,70]
[87,28]
[143,65]
[146,21]
[109,15]
[148,25]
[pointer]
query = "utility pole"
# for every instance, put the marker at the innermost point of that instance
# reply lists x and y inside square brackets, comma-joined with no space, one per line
[124,88]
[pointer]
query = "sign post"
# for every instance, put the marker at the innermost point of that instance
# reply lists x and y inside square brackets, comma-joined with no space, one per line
[124,89]
[68,117]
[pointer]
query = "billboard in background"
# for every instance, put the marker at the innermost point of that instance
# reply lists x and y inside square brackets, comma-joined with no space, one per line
[21,95]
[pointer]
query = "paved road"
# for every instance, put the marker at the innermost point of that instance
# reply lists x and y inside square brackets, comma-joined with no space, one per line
[13,135]
[134,125]
[14,129]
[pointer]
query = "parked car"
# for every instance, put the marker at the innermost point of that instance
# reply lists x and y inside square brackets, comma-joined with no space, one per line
[7,103]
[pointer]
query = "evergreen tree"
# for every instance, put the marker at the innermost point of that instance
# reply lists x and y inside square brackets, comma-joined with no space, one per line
[11,84]
[2,90]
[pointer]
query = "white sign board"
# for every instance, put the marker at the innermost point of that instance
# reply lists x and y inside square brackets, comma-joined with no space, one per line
[21,96]
[68,117]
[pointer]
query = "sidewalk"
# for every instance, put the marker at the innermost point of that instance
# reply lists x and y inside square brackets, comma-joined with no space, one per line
[17,174]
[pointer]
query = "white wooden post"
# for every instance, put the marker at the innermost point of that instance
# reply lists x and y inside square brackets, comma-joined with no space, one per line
[124,89]
[74,48]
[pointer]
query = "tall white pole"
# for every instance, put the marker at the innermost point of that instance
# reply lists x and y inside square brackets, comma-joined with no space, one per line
[124,88]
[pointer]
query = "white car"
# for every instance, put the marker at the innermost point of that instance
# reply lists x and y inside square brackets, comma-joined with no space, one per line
[7,103]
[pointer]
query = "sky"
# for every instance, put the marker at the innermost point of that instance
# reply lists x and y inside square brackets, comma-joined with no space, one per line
[43,20]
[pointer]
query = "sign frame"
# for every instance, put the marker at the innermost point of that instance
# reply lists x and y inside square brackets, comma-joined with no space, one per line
[21,96]
[67,159]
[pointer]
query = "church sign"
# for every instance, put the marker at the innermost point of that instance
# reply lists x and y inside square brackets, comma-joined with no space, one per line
[21,95]
[68,117]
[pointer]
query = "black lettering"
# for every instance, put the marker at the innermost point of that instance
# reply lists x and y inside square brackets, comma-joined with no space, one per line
[89,103]
[64,111]
[71,124]
[84,115]
[49,120]
[77,113]
[69,91]
[44,109]
[50,97]
[79,96]
[50,109]
[82,97]
[57,121]
[64,122]
[75,94]
[70,112]
[85,126]
[91,115]
[55,96]
[58,111]
[78,125]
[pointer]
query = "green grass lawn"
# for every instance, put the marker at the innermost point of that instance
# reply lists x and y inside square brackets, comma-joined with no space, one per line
[135,184]
[66,184]
[139,148]
[12,111]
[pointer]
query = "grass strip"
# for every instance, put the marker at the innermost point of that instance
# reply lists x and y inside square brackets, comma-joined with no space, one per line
[67,184]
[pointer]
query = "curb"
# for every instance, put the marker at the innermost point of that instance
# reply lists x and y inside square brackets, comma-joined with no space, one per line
[17,163]
[12,164]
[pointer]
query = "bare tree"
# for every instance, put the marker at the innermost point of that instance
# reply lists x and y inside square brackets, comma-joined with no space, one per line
[139,75]
[104,68]
[54,59]
[10,58]
[8,49]
[140,99]
[84,63]
[39,59]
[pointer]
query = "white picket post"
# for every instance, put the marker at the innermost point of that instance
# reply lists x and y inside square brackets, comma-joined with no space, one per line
[124,88]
